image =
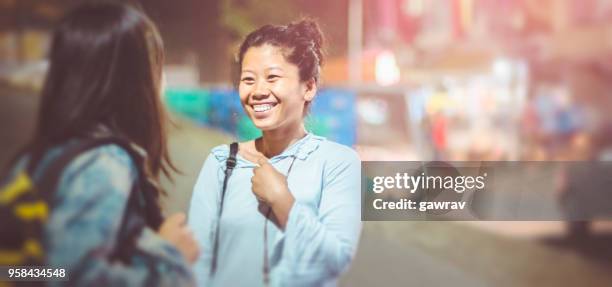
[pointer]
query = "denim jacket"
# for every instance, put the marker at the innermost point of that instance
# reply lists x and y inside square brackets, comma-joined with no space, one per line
[82,231]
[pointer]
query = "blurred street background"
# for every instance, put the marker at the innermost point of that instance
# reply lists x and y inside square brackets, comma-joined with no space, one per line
[412,80]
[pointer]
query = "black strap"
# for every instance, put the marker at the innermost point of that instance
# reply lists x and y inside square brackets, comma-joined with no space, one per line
[229,167]
[230,163]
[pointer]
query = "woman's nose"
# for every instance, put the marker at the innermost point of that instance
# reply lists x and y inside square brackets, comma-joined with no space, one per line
[261,90]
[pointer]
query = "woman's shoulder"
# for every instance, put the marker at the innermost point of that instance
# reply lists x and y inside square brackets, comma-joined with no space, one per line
[338,160]
[103,164]
[245,150]
[337,152]
[105,171]
[108,155]
[219,153]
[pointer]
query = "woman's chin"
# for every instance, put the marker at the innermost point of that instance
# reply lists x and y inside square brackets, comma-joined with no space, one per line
[264,125]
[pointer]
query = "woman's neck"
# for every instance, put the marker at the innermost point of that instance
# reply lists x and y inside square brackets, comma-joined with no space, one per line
[274,142]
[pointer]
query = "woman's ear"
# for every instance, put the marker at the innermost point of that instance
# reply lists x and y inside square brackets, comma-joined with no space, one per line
[310,90]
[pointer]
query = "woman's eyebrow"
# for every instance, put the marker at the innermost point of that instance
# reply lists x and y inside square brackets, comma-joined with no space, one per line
[247,71]
[267,69]
[274,68]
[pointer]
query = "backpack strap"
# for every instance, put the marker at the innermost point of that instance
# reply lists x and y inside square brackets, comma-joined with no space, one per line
[230,164]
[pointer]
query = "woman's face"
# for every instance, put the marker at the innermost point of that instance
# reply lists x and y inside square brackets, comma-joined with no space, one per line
[270,89]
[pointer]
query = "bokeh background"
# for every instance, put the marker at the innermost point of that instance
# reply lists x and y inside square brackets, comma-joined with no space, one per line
[404,80]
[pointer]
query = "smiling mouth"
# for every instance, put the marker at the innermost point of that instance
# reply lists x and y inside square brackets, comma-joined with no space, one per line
[259,108]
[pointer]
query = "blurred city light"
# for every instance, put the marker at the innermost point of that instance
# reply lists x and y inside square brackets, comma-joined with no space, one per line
[387,71]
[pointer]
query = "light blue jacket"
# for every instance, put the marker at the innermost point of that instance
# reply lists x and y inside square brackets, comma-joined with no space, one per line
[322,231]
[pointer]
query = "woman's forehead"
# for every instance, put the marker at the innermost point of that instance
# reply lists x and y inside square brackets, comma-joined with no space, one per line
[265,57]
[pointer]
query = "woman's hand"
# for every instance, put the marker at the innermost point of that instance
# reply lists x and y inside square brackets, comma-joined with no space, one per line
[268,184]
[175,230]
[270,188]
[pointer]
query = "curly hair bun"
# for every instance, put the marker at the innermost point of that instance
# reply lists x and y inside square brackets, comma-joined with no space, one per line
[309,30]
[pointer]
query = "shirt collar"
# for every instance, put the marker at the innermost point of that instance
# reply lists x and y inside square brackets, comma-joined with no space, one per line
[300,149]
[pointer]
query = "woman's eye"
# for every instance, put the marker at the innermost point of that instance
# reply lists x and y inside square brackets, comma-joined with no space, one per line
[273,77]
[247,80]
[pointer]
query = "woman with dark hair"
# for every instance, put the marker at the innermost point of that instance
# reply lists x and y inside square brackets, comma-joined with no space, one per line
[289,213]
[105,78]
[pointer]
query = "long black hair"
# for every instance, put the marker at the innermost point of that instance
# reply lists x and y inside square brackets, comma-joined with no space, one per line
[105,68]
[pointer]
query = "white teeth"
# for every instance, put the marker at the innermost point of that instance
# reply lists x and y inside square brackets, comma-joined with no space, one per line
[262,108]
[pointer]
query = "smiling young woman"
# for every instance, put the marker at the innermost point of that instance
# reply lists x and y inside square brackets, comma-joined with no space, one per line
[291,212]
[272,93]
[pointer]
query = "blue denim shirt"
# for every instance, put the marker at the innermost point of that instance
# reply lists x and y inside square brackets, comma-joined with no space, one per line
[82,229]
[322,230]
